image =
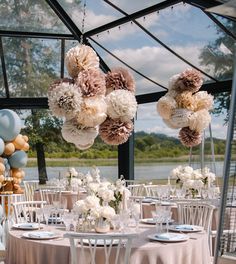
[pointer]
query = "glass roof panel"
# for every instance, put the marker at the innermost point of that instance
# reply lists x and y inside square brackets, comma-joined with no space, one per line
[31,65]
[199,43]
[30,16]
[97,13]
[2,89]
[141,52]
[134,6]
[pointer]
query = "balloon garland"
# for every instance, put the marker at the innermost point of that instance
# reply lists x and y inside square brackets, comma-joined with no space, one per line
[92,102]
[12,152]
[185,108]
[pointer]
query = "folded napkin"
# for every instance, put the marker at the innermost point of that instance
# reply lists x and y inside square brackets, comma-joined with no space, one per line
[184,227]
[170,236]
[28,225]
[41,234]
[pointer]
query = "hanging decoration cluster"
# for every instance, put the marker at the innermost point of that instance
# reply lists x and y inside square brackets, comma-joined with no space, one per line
[92,102]
[185,107]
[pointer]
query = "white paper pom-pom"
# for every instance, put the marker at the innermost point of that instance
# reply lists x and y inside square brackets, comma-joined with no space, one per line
[203,100]
[172,82]
[169,124]
[79,135]
[65,100]
[93,112]
[85,146]
[165,106]
[80,58]
[199,120]
[121,104]
[180,117]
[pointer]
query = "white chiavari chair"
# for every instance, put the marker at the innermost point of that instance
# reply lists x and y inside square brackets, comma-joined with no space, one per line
[136,189]
[116,247]
[30,187]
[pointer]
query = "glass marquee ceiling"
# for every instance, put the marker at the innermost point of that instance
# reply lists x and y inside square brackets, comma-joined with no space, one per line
[154,46]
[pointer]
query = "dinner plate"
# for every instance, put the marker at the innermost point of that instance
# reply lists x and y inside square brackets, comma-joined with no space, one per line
[152,221]
[100,242]
[40,235]
[186,228]
[169,237]
[26,226]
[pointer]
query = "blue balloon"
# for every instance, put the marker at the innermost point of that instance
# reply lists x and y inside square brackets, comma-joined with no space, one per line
[10,124]
[2,146]
[18,159]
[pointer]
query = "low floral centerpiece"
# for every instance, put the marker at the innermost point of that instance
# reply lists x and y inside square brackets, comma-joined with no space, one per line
[193,180]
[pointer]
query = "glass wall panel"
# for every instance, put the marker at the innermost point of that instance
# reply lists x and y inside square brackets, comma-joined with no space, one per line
[30,16]
[158,149]
[41,126]
[97,13]
[31,65]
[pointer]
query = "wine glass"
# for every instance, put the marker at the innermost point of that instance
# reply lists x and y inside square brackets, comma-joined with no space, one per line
[47,209]
[39,215]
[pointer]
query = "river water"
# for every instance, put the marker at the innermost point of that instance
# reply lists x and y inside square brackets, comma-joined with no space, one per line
[142,172]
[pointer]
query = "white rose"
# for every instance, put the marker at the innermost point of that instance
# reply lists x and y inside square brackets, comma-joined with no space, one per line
[188,184]
[198,184]
[107,212]
[73,172]
[188,169]
[210,176]
[93,187]
[88,178]
[92,202]
[197,175]
[80,207]
[106,195]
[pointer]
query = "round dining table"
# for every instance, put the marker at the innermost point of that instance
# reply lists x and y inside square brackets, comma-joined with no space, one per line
[195,250]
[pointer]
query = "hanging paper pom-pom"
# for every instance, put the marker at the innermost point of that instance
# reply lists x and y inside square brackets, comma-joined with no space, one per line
[172,82]
[169,124]
[203,100]
[199,120]
[189,80]
[76,133]
[80,58]
[119,78]
[121,104]
[86,146]
[180,117]
[56,84]
[189,138]
[165,106]
[115,132]
[91,82]
[93,112]
[65,100]
[185,100]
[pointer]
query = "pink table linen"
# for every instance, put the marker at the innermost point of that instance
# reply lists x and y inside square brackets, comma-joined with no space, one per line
[57,251]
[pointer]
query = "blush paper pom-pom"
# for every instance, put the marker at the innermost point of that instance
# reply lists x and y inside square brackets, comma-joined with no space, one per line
[80,58]
[115,132]
[199,120]
[165,106]
[121,104]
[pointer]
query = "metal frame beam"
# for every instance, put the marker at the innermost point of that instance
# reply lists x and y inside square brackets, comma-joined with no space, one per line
[65,18]
[131,17]
[160,42]
[4,69]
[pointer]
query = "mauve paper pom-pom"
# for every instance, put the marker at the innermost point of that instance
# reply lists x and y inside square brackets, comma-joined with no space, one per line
[189,138]
[203,100]
[185,100]
[199,120]
[91,82]
[121,104]
[76,133]
[93,112]
[115,132]
[165,106]
[80,58]
[58,82]
[119,78]
[189,80]
[65,100]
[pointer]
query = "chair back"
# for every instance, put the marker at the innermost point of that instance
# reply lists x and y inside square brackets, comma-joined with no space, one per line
[51,196]
[195,213]
[26,211]
[30,187]
[115,249]
[136,189]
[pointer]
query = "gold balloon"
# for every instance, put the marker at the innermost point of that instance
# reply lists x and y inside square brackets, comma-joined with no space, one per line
[1,178]
[25,138]
[1,160]
[9,148]
[16,173]
[19,142]
[25,147]
[2,168]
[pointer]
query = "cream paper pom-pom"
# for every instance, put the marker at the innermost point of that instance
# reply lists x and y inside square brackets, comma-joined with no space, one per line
[121,104]
[172,82]
[170,124]
[65,100]
[199,120]
[203,100]
[93,112]
[76,133]
[180,117]
[185,100]
[165,106]
[80,58]
[85,146]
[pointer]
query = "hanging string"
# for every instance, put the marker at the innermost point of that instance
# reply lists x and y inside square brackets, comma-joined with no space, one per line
[83,22]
